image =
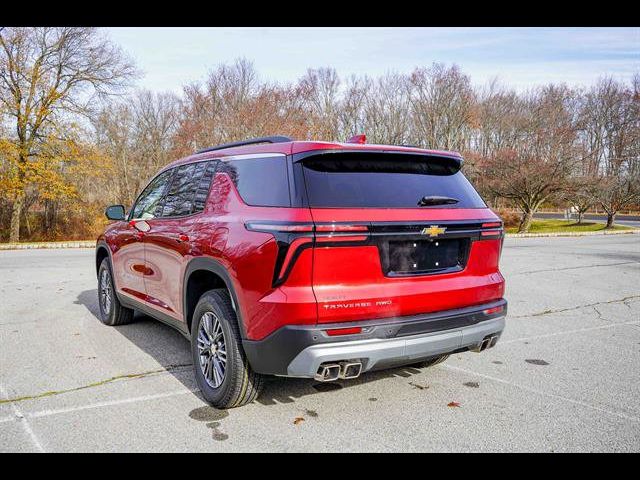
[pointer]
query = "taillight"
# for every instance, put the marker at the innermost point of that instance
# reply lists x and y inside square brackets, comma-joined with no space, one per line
[330,233]
[492,225]
[320,229]
[280,227]
[340,227]
[292,238]
[493,230]
[294,249]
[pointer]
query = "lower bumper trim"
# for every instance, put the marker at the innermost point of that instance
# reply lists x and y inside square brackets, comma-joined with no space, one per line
[417,336]
[377,353]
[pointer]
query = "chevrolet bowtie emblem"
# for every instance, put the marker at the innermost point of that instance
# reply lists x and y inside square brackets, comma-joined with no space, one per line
[433,230]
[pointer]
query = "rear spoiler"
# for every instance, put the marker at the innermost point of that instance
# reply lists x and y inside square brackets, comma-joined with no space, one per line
[452,163]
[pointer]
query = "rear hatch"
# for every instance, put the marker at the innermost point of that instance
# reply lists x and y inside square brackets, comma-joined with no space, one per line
[398,234]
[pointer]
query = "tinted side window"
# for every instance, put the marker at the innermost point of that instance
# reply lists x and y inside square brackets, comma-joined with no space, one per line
[202,191]
[151,197]
[179,200]
[260,181]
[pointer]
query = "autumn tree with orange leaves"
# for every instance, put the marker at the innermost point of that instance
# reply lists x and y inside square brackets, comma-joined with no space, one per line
[48,77]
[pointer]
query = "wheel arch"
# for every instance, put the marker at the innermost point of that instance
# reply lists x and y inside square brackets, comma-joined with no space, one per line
[203,274]
[102,252]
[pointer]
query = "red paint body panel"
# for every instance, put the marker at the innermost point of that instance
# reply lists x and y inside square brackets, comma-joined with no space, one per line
[127,254]
[167,256]
[324,282]
[349,285]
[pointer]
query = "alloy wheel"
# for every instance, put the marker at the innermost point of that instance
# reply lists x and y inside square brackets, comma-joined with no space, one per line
[212,349]
[106,292]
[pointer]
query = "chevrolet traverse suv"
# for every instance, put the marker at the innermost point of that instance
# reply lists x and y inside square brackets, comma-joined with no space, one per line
[307,259]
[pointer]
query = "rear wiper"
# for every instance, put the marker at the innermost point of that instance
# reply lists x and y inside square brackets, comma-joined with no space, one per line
[435,200]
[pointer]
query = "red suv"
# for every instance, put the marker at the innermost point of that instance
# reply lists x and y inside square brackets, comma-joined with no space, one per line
[307,259]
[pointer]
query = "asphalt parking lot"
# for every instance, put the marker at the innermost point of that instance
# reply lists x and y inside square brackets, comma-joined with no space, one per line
[564,376]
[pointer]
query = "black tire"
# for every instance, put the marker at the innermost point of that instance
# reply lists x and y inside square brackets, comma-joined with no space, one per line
[431,362]
[112,313]
[240,384]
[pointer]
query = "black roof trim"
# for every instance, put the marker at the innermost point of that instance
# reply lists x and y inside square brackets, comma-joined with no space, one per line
[251,141]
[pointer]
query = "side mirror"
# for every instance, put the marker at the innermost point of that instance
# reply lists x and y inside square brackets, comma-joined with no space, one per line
[115,212]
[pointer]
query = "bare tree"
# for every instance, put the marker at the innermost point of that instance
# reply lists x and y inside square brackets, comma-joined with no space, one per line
[137,134]
[385,110]
[232,104]
[351,112]
[319,91]
[501,120]
[443,107]
[610,125]
[616,192]
[538,166]
[47,74]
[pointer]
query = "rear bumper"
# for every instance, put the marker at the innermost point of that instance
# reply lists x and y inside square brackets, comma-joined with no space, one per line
[298,351]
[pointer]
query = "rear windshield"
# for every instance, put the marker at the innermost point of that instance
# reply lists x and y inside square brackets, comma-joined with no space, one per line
[387,181]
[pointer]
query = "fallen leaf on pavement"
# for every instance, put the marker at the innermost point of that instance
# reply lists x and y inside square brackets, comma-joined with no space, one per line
[453,404]
[298,420]
[418,386]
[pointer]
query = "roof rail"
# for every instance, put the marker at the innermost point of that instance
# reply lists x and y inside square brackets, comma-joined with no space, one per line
[251,141]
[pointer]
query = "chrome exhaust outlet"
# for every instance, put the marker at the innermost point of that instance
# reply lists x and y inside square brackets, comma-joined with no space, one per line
[327,372]
[349,370]
[487,342]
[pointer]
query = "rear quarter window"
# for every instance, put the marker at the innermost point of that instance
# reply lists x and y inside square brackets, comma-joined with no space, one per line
[179,200]
[385,180]
[261,181]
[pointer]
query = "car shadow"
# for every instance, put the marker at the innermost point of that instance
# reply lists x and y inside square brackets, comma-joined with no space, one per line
[164,344]
[172,351]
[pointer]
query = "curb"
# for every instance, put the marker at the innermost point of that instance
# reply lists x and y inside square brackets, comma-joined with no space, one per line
[41,245]
[572,234]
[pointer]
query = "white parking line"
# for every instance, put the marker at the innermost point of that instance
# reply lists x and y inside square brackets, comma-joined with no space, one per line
[546,335]
[144,398]
[540,392]
[23,421]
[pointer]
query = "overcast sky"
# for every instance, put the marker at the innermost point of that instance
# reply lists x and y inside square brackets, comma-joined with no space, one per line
[521,57]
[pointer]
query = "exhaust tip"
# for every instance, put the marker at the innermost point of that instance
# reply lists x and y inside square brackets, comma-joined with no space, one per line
[487,342]
[327,372]
[350,370]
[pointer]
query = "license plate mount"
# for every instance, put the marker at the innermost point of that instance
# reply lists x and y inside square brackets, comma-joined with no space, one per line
[423,257]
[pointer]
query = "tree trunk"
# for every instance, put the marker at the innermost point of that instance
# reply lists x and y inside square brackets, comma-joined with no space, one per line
[580,216]
[525,222]
[611,217]
[16,215]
